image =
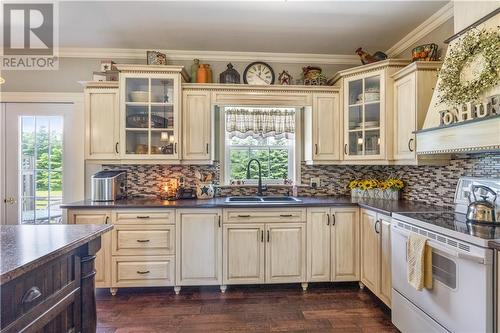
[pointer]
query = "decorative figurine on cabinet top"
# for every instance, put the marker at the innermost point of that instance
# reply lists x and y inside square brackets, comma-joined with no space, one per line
[194,70]
[156,58]
[285,78]
[426,52]
[367,58]
[230,75]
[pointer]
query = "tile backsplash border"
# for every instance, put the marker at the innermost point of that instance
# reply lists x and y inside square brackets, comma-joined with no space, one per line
[431,184]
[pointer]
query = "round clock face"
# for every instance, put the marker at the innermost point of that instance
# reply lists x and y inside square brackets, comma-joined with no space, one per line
[258,73]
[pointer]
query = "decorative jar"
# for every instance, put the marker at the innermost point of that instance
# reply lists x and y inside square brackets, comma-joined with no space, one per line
[205,191]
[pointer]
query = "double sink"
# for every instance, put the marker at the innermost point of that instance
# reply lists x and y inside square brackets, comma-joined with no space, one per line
[262,200]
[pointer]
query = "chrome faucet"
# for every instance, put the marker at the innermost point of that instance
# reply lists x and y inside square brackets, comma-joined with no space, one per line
[260,188]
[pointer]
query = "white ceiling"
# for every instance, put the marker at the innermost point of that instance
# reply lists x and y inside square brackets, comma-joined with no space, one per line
[333,27]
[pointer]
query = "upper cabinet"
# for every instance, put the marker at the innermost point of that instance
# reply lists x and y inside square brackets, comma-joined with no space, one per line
[413,89]
[197,125]
[101,120]
[149,112]
[367,111]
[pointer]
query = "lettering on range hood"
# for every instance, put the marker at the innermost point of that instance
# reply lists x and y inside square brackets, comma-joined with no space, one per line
[470,111]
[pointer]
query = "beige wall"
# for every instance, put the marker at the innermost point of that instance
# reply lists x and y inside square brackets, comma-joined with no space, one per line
[437,36]
[468,12]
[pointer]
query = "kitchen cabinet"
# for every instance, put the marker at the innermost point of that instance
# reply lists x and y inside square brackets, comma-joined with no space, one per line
[376,254]
[368,111]
[243,253]
[285,252]
[142,248]
[197,124]
[332,246]
[413,89]
[103,256]
[322,128]
[149,112]
[102,131]
[199,247]
[264,246]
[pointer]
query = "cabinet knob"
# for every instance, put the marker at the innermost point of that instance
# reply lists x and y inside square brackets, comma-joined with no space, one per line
[175,148]
[208,146]
[333,219]
[143,240]
[262,236]
[142,272]
[316,149]
[143,216]
[345,149]
[376,229]
[116,148]
[268,236]
[327,219]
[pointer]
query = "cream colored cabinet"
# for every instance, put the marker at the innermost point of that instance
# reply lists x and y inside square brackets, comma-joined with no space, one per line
[413,89]
[197,123]
[333,244]
[285,252]
[150,102]
[376,254]
[385,260]
[322,129]
[103,256]
[368,111]
[102,133]
[243,253]
[199,247]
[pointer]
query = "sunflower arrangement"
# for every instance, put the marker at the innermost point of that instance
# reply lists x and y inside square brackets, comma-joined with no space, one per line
[387,188]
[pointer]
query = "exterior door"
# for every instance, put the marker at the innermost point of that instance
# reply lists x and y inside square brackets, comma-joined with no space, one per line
[370,251]
[318,245]
[199,249]
[285,252]
[243,253]
[42,142]
[345,244]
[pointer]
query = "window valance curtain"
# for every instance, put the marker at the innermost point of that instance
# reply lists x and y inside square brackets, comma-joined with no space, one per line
[244,122]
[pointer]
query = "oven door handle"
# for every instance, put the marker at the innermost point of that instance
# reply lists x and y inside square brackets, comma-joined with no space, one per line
[437,246]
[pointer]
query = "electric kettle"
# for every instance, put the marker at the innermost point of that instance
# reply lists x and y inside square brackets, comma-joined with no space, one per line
[482,211]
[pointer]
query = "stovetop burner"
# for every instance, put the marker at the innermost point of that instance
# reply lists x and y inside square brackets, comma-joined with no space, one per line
[454,221]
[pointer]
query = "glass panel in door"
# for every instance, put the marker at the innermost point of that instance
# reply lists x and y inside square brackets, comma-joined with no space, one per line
[356,143]
[40,169]
[372,142]
[162,91]
[137,90]
[163,142]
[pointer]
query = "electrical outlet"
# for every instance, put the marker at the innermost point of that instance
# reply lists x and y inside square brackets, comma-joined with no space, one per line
[315,182]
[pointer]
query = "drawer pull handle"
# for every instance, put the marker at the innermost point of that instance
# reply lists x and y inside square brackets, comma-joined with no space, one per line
[32,294]
[143,217]
[243,215]
[143,240]
[142,272]
[286,215]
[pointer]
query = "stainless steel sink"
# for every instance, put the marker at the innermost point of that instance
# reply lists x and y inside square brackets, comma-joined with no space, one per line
[262,200]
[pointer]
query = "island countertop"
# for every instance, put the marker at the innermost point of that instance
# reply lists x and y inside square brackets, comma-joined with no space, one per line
[383,206]
[25,247]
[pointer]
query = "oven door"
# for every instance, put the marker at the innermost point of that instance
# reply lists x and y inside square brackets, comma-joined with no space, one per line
[461,299]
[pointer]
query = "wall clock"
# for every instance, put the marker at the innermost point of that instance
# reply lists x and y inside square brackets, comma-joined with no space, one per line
[258,73]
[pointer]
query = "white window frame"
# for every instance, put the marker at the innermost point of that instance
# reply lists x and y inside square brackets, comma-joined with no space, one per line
[294,150]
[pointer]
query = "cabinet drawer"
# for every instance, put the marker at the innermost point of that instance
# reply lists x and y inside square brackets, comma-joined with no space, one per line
[143,240]
[144,217]
[143,271]
[29,292]
[264,215]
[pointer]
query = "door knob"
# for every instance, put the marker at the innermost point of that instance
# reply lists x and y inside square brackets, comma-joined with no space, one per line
[10,200]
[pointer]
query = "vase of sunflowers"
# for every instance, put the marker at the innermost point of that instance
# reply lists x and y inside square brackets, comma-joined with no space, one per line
[389,189]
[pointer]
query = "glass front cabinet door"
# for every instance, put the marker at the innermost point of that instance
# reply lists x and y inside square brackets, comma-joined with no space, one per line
[364,116]
[150,116]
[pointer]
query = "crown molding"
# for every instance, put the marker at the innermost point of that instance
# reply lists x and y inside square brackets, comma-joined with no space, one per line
[433,22]
[223,56]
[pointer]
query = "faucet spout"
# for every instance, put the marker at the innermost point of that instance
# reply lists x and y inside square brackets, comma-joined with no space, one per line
[260,188]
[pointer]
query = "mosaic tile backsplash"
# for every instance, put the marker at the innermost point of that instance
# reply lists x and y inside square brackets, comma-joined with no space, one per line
[432,184]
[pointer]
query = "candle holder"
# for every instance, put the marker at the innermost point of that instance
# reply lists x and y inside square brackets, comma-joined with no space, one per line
[168,190]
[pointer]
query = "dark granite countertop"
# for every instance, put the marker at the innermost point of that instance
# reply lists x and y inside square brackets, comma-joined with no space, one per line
[494,245]
[25,247]
[383,206]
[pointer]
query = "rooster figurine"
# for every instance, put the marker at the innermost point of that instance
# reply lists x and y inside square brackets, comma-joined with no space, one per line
[367,58]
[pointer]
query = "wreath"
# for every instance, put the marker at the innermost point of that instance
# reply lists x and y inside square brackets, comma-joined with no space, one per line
[453,89]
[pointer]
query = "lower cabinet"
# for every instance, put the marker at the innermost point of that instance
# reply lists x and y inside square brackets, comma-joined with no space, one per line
[103,256]
[263,252]
[199,247]
[333,244]
[376,254]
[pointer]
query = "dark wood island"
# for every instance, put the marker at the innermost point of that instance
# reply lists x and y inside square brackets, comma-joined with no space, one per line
[47,277]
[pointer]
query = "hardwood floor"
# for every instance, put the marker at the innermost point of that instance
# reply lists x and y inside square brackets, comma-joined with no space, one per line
[267,308]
